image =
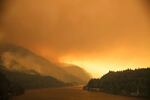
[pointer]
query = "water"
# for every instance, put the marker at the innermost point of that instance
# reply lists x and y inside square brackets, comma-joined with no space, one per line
[70,93]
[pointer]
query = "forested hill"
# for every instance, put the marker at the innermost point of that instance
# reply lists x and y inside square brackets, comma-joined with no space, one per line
[8,88]
[127,82]
[30,80]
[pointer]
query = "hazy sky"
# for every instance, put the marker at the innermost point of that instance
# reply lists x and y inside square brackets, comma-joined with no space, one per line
[98,35]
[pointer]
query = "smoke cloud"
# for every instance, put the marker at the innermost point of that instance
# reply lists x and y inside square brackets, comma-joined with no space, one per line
[114,29]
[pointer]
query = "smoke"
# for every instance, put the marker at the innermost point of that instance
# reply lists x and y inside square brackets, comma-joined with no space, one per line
[100,28]
[1,5]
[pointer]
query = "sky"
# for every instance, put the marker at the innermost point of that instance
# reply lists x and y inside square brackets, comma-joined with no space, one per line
[98,35]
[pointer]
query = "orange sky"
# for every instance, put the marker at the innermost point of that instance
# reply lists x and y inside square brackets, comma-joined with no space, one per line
[98,35]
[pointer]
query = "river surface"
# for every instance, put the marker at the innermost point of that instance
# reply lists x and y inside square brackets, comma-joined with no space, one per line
[70,93]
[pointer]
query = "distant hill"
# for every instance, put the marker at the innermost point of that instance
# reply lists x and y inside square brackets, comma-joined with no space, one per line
[128,82]
[16,58]
[78,72]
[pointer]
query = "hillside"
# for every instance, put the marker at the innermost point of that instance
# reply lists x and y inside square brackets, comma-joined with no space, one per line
[16,58]
[8,88]
[30,81]
[78,72]
[128,82]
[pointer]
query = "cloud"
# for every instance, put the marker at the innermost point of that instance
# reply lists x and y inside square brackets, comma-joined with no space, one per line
[84,27]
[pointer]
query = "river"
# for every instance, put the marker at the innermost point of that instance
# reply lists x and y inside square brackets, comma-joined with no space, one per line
[69,93]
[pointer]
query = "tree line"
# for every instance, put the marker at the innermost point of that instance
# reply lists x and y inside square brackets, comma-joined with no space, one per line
[128,82]
[8,89]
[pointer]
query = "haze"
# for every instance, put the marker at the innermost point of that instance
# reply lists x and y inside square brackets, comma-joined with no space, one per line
[98,35]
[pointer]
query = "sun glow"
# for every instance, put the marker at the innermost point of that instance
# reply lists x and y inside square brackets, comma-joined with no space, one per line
[98,67]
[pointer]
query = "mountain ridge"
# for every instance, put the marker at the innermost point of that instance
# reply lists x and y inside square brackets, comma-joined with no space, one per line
[21,59]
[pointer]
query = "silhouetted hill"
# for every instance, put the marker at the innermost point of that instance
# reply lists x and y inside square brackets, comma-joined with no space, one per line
[128,82]
[30,81]
[16,58]
[8,89]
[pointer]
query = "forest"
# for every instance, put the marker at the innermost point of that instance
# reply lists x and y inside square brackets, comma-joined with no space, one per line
[128,82]
[8,88]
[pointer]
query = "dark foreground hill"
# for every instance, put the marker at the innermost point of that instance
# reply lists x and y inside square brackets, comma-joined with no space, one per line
[30,80]
[8,88]
[128,82]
